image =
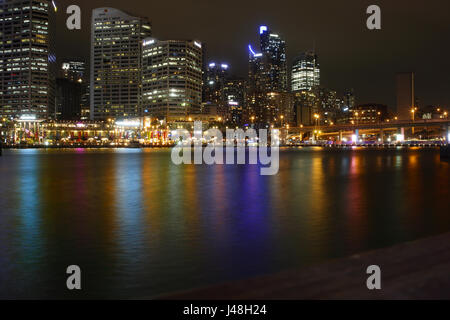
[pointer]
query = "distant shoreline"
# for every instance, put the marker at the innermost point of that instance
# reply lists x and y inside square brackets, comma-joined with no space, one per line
[366,146]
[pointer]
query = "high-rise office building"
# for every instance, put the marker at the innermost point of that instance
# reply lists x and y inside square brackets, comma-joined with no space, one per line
[216,76]
[274,47]
[267,75]
[305,72]
[257,88]
[116,49]
[27,58]
[405,95]
[171,78]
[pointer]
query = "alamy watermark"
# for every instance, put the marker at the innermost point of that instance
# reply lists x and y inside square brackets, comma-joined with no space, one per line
[234,150]
[73,21]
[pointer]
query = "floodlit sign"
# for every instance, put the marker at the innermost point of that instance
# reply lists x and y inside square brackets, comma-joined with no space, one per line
[148,42]
[198,44]
[28,117]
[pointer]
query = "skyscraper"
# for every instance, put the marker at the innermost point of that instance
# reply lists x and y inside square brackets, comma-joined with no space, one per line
[405,95]
[172,78]
[216,76]
[116,48]
[257,88]
[274,47]
[27,58]
[267,77]
[305,72]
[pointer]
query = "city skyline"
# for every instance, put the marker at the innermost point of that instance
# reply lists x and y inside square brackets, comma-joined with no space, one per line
[376,56]
[214,151]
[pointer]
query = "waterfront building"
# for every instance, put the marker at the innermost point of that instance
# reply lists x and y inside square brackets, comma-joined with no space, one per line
[27,58]
[305,72]
[171,78]
[405,95]
[116,49]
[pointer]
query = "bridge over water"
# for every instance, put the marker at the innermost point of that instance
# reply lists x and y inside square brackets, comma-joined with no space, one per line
[380,128]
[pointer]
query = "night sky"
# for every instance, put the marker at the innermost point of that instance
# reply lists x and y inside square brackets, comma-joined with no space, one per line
[414,37]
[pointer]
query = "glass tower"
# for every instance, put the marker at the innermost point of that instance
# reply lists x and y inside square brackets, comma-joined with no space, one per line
[305,72]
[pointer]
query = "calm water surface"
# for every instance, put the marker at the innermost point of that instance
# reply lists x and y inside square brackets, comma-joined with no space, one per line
[139,226]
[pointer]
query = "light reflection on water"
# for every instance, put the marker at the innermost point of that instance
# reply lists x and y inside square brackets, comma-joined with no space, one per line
[139,226]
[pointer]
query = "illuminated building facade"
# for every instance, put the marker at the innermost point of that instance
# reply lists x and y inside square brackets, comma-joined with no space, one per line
[368,113]
[116,48]
[27,58]
[171,78]
[305,72]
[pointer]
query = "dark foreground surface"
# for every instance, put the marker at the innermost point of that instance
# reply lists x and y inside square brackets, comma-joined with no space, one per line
[414,270]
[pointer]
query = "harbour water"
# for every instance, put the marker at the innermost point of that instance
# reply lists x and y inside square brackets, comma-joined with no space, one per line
[140,226]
